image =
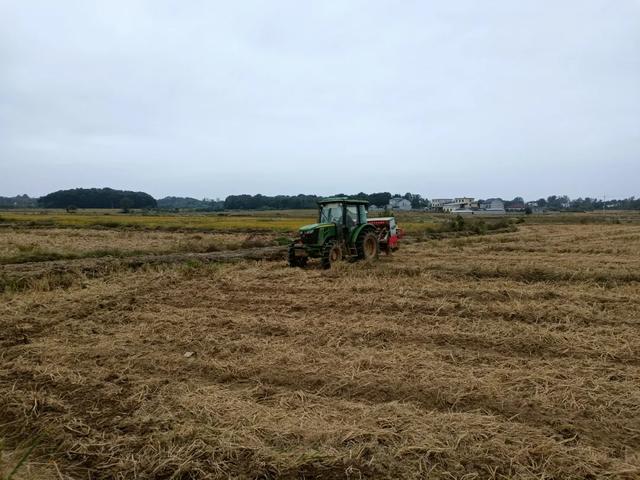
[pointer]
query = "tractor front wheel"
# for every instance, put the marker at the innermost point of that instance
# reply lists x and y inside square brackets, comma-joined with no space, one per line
[294,260]
[367,246]
[331,253]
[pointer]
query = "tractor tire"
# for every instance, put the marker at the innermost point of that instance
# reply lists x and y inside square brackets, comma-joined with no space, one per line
[367,246]
[295,261]
[331,253]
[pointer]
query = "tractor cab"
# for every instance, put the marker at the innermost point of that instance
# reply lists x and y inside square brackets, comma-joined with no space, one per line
[342,231]
[349,213]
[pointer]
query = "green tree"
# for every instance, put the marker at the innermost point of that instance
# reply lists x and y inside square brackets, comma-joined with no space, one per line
[95,198]
[126,204]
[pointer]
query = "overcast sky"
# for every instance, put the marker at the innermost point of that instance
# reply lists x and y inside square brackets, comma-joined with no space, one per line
[204,98]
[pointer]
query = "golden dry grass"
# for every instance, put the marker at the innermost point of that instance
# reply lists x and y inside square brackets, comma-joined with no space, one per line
[198,222]
[504,356]
[23,245]
[282,222]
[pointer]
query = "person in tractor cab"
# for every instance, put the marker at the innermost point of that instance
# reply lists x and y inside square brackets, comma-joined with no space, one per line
[331,213]
[352,216]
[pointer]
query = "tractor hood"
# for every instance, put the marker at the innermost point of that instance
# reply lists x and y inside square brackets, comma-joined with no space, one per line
[314,226]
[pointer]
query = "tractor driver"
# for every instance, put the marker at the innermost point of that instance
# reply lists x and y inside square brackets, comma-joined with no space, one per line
[352,216]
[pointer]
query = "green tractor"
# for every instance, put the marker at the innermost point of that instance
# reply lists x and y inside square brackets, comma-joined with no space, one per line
[342,232]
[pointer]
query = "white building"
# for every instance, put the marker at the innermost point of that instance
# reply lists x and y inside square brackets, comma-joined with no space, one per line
[493,206]
[437,203]
[535,208]
[451,206]
[458,205]
[399,203]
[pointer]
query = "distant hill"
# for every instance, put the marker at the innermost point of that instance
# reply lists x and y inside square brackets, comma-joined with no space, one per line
[97,198]
[19,201]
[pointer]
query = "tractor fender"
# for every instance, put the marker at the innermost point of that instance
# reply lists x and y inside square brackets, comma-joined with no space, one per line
[361,229]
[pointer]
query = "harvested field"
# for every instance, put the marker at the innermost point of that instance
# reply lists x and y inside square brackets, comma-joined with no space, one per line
[189,222]
[19,245]
[269,222]
[512,355]
[48,275]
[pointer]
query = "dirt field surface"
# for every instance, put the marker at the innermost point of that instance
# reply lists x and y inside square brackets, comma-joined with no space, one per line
[512,355]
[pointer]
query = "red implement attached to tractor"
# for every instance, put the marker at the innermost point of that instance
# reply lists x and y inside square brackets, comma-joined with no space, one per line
[388,233]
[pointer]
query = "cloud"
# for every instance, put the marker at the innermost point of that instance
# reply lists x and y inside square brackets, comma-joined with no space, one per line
[207,99]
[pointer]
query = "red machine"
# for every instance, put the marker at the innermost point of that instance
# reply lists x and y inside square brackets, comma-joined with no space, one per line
[388,233]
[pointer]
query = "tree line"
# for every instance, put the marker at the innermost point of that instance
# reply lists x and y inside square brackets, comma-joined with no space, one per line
[189,203]
[563,202]
[287,202]
[111,198]
[19,201]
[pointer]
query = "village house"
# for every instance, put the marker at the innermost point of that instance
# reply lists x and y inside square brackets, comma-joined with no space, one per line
[455,207]
[437,203]
[468,206]
[493,206]
[534,207]
[515,207]
[399,203]
[458,205]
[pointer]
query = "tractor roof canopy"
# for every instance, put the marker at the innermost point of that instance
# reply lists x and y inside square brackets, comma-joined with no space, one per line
[353,201]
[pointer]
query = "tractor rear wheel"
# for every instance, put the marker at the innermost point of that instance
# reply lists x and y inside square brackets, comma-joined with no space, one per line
[294,260]
[367,246]
[331,253]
